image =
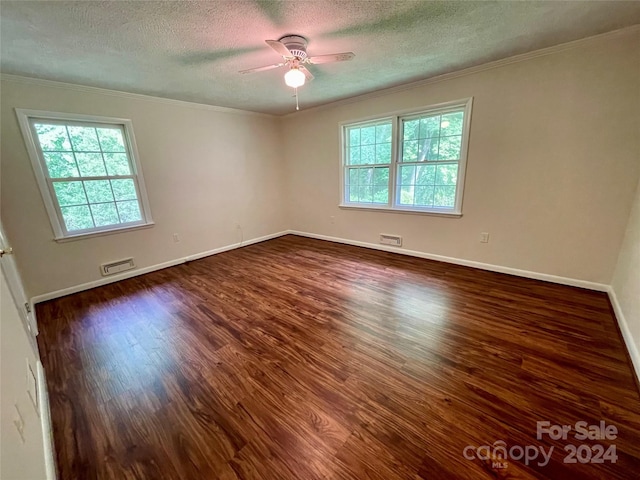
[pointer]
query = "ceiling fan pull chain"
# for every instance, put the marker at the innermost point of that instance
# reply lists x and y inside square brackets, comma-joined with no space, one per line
[297,106]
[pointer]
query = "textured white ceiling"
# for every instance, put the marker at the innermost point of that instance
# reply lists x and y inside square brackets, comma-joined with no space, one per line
[193,50]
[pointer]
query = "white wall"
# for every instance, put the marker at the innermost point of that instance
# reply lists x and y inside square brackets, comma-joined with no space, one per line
[18,460]
[551,173]
[552,166]
[626,283]
[205,169]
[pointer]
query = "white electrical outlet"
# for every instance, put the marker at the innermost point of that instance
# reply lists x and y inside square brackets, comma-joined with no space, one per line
[176,238]
[484,237]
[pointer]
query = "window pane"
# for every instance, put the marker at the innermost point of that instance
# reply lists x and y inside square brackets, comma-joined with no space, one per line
[365,193]
[383,153]
[410,151]
[61,165]
[365,176]
[77,218]
[352,178]
[84,139]
[105,214]
[406,195]
[91,164]
[52,137]
[425,174]
[447,175]
[98,191]
[444,197]
[354,156]
[430,127]
[352,193]
[368,154]
[381,193]
[354,137]
[407,175]
[129,211]
[428,149]
[424,196]
[452,124]
[449,148]
[381,176]
[368,135]
[111,139]
[411,130]
[69,193]
[124,189]
[117,164]
[383,133]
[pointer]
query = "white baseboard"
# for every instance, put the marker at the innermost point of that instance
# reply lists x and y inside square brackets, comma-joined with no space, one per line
[441,258]
[152,268]
[103,281]
[226,248]
[47,430]
[600,287]
[626,332]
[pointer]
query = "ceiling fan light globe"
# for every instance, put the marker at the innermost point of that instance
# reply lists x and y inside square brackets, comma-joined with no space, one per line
[294,78]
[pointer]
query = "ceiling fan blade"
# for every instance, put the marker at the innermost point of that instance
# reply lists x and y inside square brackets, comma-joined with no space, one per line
[334,57]
[262,69]
[280,48]
[306,72]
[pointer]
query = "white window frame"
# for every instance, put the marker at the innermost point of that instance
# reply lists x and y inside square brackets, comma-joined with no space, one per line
[396,154]
[25,120]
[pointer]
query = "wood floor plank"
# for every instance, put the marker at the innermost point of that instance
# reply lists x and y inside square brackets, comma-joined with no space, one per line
[303,359]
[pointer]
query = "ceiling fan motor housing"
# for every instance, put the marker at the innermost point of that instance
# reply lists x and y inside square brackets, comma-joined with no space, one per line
[296,44]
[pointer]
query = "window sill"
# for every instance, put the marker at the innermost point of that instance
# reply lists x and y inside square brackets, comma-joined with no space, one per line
[386,209]
[82,236]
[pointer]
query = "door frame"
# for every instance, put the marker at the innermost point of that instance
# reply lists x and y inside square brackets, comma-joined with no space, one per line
[14,282]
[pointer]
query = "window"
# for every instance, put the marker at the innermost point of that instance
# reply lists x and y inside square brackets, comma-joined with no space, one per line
[88,172]
[409,162]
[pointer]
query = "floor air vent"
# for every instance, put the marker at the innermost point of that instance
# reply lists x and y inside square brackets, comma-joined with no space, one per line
[395,240]
[117,267]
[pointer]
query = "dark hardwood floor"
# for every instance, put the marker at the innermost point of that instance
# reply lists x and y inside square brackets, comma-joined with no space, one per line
[303,359]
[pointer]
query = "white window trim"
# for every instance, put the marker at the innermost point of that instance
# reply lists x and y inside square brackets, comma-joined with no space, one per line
[38,164]
[396,145]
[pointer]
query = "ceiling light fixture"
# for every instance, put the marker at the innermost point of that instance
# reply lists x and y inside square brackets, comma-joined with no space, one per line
[293,49]
[294,78]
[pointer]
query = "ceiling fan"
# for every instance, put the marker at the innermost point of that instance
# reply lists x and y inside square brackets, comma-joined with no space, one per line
[293,49]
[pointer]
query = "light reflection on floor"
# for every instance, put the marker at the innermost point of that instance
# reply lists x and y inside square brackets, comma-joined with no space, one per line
[129,340]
